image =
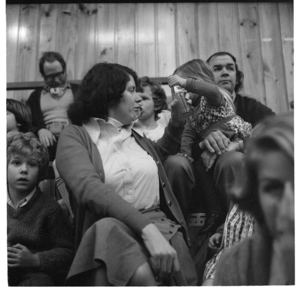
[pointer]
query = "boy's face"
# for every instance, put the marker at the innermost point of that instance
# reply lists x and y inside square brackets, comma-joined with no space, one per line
[22,174]
[11,122]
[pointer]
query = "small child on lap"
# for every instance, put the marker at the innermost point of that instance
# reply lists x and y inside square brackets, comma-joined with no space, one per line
[40,241]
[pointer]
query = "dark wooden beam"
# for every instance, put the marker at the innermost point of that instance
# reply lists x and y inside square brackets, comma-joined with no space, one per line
[13,86]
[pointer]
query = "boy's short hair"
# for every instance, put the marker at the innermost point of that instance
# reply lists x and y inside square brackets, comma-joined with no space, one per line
[22,113]
[28,145]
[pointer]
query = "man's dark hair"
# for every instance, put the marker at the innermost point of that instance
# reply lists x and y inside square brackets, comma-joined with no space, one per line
[51,57]
[22,113]
[239,74]
[101,88]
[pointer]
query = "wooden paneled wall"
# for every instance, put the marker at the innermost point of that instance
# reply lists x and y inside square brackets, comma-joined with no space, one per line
[155,38]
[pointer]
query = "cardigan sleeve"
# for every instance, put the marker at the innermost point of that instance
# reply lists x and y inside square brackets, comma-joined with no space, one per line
[37,117]
[77,164]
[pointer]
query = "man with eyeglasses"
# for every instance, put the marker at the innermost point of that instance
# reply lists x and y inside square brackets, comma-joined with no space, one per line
[49,104]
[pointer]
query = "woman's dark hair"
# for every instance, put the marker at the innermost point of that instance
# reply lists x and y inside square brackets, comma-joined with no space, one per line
[275,133]
[239,74]
[101,88]
[158,94]
[22,113]
[51,57]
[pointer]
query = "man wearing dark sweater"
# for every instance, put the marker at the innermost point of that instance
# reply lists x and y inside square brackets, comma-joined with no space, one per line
[49,104]
[228,164]
[40,241]
[224,172]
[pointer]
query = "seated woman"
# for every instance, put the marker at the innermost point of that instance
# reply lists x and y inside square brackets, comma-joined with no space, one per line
[129,226]
[268,256]
[154,116]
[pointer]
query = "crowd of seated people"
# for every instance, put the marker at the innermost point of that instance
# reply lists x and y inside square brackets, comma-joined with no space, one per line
[130,164]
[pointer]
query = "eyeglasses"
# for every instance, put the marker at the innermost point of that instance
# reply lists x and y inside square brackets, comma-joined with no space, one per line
[53,76]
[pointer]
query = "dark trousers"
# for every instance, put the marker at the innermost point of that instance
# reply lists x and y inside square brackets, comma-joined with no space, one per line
[29,279]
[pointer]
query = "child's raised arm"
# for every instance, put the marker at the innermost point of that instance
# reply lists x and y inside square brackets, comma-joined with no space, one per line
[175,80]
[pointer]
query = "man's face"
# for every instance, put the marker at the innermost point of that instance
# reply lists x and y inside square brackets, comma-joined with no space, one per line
[224,71]
[54,74]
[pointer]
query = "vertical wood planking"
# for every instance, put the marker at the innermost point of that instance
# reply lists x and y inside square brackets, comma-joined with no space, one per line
[86,39]
[126,35]
[166,46]
[274,73]
[105,33]
[12,31]
[145,40]
[208,30]
[187,37]
[229,34]
[287,34]
[47,32]
[66,35]
[251,51]
[27,49]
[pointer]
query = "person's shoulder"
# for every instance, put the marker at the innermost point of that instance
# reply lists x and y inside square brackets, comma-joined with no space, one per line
[234,264]
[35,93]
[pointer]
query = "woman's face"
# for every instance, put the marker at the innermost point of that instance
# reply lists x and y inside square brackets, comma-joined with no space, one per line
[129,107]
[147,104]
[275,170]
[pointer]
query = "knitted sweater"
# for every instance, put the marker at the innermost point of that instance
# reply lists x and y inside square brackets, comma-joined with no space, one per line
[41,226]
[34,102]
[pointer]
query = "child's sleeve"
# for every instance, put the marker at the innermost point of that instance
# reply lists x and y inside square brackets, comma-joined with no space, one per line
[58,260]
[210,91]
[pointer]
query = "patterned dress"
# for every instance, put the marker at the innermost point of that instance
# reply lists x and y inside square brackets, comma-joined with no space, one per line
[209,115]
[238,226]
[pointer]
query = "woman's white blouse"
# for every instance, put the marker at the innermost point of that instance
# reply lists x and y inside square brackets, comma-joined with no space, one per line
[128,168]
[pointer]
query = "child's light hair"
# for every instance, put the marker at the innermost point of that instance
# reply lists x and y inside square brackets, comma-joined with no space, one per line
[199,69]
[29,146]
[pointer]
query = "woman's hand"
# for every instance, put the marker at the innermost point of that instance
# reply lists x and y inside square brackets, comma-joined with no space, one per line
[175,80]
[215,241]
[215,142]
[20,256]
[208,159]
[163,257]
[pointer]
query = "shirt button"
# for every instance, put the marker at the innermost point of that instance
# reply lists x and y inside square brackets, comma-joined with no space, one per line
[169,203]
[181,221]
[163,184]
[157,162]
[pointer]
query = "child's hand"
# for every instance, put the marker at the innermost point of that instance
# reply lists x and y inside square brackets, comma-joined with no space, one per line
[20,256]
[215,241]
[175,80]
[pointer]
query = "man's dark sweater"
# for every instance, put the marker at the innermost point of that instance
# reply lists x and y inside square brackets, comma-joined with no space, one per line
[42,227]
[251,110]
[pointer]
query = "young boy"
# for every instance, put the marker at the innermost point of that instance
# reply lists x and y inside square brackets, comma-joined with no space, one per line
[18,116]
[40,242]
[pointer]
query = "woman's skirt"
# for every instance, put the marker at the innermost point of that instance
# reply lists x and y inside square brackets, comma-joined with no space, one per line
[110,244]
